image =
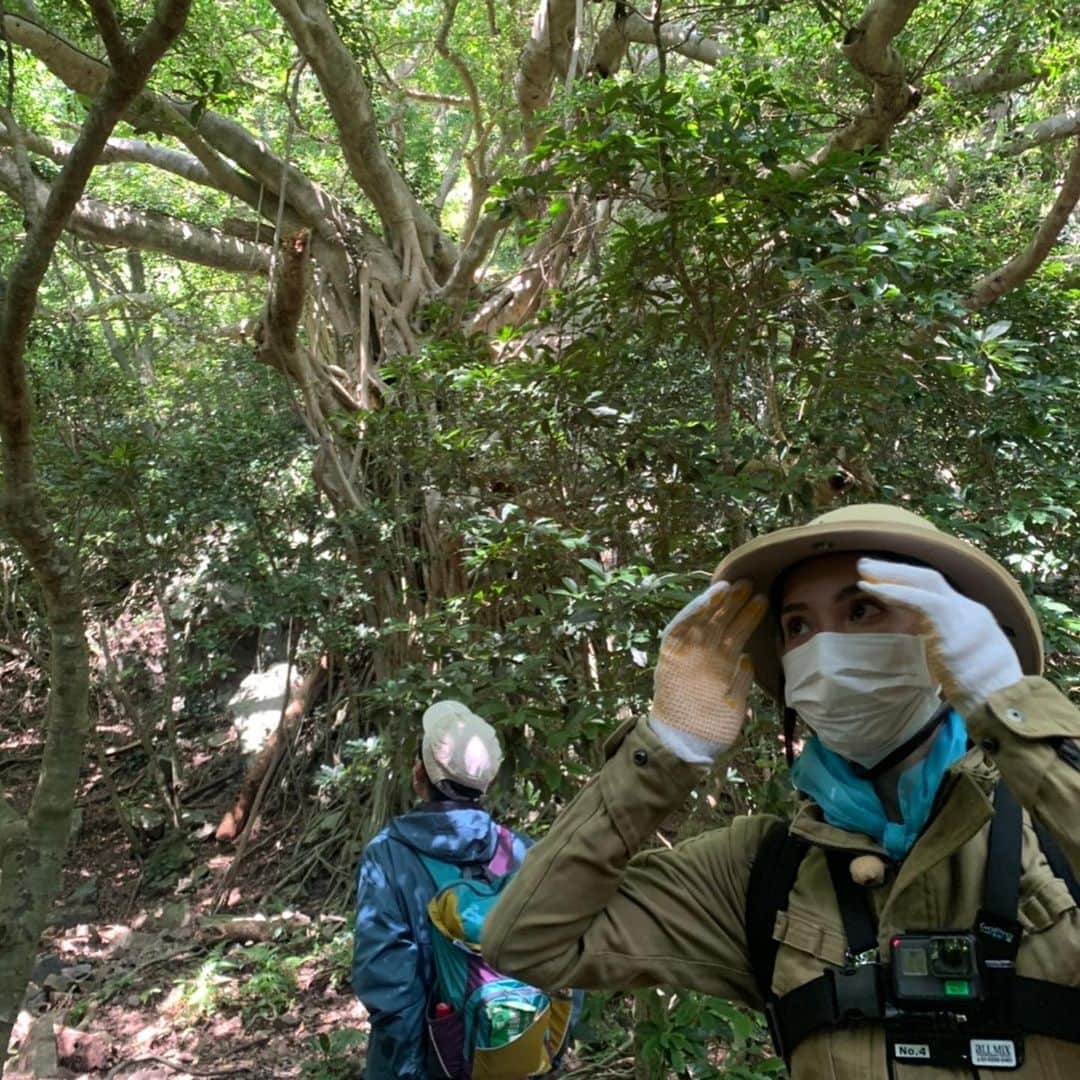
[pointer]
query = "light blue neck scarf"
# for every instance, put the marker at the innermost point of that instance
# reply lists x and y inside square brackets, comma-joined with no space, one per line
[850,802]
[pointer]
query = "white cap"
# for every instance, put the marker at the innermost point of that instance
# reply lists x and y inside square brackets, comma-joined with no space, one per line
[460,746]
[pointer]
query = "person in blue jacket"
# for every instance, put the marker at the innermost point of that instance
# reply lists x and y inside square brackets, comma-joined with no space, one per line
[393,967]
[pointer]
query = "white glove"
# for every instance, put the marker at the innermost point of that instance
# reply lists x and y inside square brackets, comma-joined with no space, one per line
[967,650]
[702,677]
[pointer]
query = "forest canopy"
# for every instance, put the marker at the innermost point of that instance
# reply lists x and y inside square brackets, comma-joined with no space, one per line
[442,348]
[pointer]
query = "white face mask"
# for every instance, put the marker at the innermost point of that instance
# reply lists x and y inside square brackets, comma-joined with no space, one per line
[864,694]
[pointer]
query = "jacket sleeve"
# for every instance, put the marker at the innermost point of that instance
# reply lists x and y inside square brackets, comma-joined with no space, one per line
[1032,732]
[386,975]
[584,912]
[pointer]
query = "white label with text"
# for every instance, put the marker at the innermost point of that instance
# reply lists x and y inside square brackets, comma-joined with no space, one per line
[993,1053]
[912,1051]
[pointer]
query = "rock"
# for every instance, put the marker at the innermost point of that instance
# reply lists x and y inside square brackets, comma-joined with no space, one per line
[84,1051]
[45,965]
[23,1022]
[257,705]
[34,998]
[198,875]
[148,821]
[120,938]
[174,915]
[167,862]
[38,1056]
[59,984]
[78,972]
[85,893]
[65,918]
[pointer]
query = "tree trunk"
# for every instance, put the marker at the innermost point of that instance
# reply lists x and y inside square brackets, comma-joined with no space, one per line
[32,849]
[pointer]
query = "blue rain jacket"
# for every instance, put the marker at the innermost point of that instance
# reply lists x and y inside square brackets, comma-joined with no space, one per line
[393,965]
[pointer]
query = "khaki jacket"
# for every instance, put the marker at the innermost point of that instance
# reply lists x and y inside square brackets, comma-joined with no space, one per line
[585,910]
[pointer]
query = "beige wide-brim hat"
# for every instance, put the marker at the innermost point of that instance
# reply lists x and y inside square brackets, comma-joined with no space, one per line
[458,745]
[879,527]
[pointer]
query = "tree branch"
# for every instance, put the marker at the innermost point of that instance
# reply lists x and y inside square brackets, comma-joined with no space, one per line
[610,48]
[472,256]
[312,205]
[992,81]
[683,38]
[450,174]
[119,91]
[546,55]
[215,174]
[868,46]
[458,64]
[116,45]
[349,101]
[1020,267]
[285,303]
[1042,132]
[145,306]
[119,151]
[434,99]
[87,75]
[19,142]
[147,230]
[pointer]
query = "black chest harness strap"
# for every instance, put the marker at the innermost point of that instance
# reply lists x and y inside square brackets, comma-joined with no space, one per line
[987,1033]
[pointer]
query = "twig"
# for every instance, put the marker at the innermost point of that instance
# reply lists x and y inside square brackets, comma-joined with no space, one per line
[118,751]
[134,895]
[240,1070]
[588,1068]
[101,796]
[657,19]
[26,759]
[190,797]
[111,790]
[128,976]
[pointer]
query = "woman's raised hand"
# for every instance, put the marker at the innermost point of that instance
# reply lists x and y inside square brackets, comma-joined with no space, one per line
[703,677]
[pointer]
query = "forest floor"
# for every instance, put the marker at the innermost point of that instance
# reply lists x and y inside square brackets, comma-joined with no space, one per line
[159,963]
[171,955]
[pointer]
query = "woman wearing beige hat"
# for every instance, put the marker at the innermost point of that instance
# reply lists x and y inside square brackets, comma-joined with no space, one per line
[919,915]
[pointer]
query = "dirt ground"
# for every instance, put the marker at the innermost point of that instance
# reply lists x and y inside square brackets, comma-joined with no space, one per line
[162,963]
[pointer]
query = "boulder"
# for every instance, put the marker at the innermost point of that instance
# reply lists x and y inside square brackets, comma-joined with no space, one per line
[37,1056]
[83,1051]
[257,705]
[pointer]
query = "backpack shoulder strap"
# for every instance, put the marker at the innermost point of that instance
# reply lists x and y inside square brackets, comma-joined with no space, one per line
[442,873]
[772,877]
[503,858]
[856,909]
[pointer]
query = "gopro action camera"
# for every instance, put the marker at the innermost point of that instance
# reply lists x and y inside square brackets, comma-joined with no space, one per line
[936,971]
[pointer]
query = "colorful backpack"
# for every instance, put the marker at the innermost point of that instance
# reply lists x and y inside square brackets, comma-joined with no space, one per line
[480,1023]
